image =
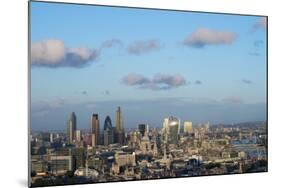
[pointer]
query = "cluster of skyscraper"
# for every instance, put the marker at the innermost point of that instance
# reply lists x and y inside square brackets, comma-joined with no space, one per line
[171,129]
[109,135]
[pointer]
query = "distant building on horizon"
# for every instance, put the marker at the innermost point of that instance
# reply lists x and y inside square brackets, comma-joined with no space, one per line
[206,125]
[143,128]
[51,137]
[95,129]
[187,127]
[71,128]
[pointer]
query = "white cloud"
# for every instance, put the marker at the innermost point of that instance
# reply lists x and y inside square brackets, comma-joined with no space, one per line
[53,53]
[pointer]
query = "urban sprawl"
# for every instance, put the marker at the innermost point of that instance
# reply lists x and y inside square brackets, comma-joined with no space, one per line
[176,149]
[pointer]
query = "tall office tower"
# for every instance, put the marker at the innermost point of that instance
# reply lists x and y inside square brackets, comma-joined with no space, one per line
[119,120]
[71,128]
[120,135]
[187,127]
[78,135]
[95,129]
[172,126]
[107,123]
[107,131]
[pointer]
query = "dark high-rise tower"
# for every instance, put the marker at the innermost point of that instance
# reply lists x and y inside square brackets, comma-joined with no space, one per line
[108,131]
[119,119]
[71,128]
[107,123]
[119,131]
[95,126]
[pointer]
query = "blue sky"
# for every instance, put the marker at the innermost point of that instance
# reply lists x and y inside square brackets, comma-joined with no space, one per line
[196,66]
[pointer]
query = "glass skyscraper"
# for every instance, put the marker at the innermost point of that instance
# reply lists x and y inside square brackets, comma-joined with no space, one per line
[71,128]
[108,131]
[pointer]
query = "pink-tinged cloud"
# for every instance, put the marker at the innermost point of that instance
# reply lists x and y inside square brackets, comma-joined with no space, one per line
[135,79]
[157,82]
[169,81]
[204,36]
[142,47]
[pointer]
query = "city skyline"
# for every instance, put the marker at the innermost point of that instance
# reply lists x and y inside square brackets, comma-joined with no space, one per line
[122,94]
[154,122]
[207,70]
